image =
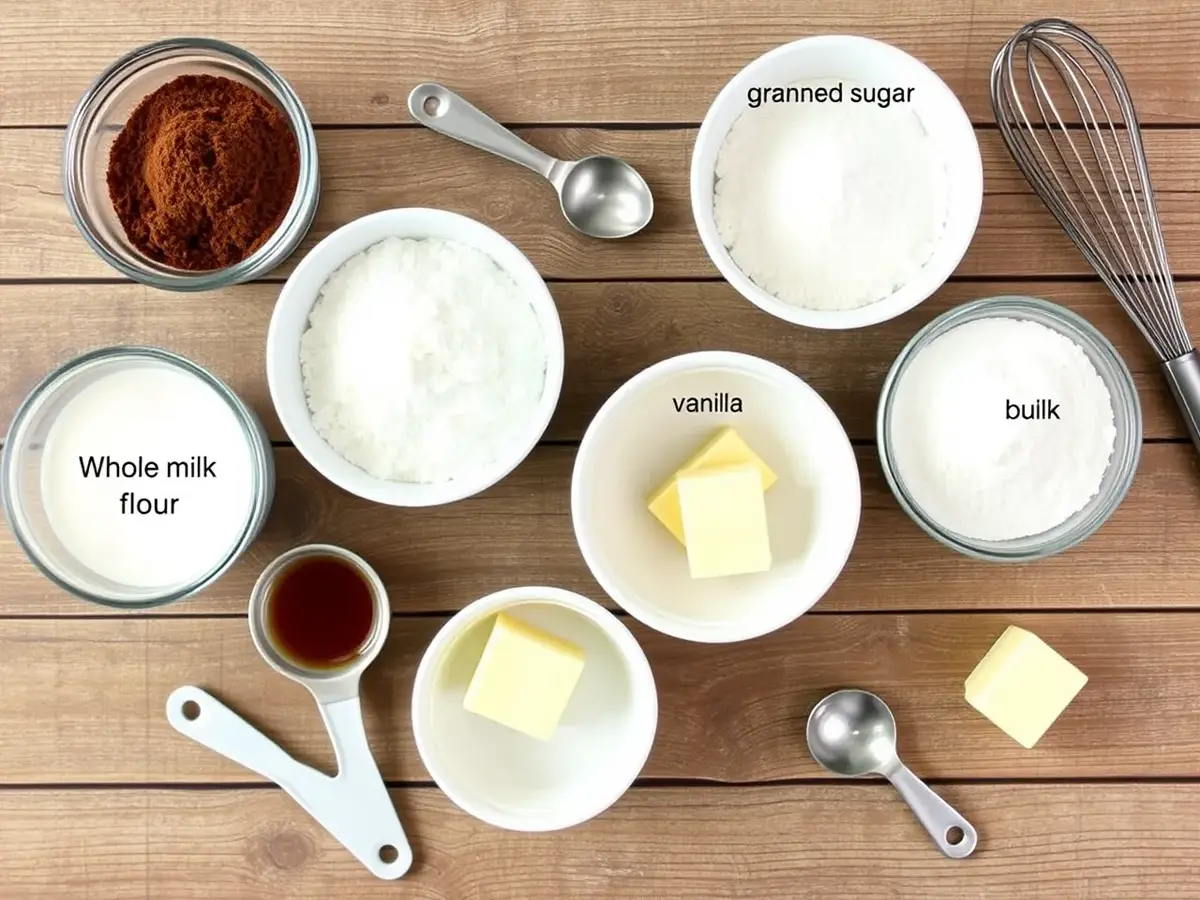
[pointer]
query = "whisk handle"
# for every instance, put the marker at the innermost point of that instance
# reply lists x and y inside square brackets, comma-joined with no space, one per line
[1183,377]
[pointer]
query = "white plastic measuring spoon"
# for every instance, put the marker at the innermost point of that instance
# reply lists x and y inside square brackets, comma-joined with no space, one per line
[354,805]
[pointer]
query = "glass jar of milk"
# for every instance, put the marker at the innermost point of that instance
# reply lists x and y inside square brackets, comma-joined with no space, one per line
[133,477]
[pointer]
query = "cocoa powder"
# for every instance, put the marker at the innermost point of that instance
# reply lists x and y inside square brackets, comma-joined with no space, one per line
[203,172]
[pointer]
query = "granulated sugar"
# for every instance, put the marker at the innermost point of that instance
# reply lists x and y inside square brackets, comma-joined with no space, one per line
[423,361]
[830,205]
[1001,429]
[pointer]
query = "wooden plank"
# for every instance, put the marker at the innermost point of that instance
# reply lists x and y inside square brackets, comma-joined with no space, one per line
[725,714]
[1041,842]
[612,331]
[367,170]
[519,532]
[573,61]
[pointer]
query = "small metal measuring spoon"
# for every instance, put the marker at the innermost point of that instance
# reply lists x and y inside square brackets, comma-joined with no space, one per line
[354,805]
[601,196]
[853,733]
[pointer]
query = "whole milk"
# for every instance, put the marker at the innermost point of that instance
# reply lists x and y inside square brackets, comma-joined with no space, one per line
[147,477]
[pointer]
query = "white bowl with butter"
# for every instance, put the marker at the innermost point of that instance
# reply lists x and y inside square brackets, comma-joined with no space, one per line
[644,433]
[510,779]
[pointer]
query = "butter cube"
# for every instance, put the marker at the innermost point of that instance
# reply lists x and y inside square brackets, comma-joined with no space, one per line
[725,448]
[724,521]
[1023,685]
[525,678]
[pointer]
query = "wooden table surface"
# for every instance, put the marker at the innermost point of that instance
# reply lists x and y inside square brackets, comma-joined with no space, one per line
[99,798]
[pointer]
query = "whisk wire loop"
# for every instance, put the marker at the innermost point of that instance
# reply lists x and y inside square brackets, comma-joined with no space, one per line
[1072,129]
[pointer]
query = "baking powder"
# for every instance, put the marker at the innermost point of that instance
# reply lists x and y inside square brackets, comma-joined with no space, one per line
[1001,428]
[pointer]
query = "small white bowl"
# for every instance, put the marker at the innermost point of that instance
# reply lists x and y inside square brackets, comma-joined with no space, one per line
[290,321]
[636,442]
[512,781]
[873,63]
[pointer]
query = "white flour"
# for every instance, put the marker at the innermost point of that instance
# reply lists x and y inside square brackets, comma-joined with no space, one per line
[422,361]
[830,205]
[971,467]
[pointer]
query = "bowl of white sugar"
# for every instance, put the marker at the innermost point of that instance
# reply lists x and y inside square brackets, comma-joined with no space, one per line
[836,182]
[415,357]
[1009,429]
[133,477]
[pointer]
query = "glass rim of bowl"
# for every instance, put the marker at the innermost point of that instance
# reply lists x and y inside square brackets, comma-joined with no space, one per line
[256,439]
[282,242]
[1127,416]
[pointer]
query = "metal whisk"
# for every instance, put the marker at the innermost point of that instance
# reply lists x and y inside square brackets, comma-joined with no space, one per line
[1066,116]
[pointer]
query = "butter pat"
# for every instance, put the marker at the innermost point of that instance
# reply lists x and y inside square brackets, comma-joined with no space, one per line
[725,448]
[1023,685]
[724,521]
[525,678]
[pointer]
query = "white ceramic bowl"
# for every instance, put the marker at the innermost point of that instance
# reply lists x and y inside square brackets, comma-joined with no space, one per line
[636,442]
[290,320]
[517,782]
[870,62]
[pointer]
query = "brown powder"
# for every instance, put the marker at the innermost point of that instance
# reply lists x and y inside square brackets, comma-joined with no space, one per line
[203,172]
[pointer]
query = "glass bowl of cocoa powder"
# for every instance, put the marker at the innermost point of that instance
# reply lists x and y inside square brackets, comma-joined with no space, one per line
[190,165]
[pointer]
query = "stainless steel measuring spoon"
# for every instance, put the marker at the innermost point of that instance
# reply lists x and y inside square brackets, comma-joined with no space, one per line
[354,805]
[601,196]
[853,733]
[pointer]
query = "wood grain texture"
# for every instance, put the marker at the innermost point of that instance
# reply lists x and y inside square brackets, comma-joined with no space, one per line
[1041,842]
[367,170]
[354,61]
[611,331]
[519,532]
[99,798]
[91,707]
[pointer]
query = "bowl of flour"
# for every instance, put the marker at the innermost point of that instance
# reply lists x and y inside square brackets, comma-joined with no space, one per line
[1009,429]
[836,182]
[415,357]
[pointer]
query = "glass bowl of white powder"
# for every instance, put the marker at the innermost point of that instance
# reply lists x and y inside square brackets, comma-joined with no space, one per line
[1009,429]
[836,182]
[415,357]
[133,477]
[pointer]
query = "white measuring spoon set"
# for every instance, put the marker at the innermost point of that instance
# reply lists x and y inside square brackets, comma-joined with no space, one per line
[353,805]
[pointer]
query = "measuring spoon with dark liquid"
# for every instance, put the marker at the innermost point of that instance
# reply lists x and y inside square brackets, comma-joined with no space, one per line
[320,611]
[319,615]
